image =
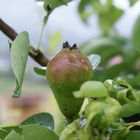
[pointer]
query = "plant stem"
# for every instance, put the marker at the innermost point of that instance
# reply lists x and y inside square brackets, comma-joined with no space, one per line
[40,38]
[36,55]
[45,20]
[133,123]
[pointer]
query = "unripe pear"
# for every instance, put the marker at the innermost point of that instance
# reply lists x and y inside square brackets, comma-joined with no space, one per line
[66,72]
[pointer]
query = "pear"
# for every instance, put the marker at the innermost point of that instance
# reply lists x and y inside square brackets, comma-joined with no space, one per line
[66,72]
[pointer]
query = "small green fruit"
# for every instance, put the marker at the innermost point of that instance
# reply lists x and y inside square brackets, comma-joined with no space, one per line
[66,72]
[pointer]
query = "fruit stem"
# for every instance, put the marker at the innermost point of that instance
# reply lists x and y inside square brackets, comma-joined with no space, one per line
[40,38]
[45,20]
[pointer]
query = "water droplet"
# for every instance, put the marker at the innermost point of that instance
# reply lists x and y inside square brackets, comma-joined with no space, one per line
[94,60]
[16,92]
[83,122]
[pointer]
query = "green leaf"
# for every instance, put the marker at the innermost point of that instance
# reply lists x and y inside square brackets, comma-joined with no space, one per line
[55,3]
[54,41]
[28,132]
[100,45]
[130,109]
[19,55]
[133,135]
[103,111]
[136,35]
[44,119]
[134,80]
[40,71]
[126,95]
[122,91]
[38,132]
[120,132]
[74,131]
[6,130]
[13,135]
[132,2]
[111,72]
[107,12]
[108,19]
[92,89]
[85,14]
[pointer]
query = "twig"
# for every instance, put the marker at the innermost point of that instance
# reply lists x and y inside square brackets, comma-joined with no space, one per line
[36,55]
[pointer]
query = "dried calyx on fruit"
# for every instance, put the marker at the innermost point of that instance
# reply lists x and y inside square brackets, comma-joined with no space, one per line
[66,72]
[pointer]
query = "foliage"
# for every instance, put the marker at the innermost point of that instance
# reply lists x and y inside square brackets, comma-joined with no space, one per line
[119,46]
[104,117]
[52,4]
[105,10]
[44,119]
[19,55]
[112,99]
[39,126]
[27,132]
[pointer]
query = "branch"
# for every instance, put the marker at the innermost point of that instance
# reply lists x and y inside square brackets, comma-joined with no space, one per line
[36,55]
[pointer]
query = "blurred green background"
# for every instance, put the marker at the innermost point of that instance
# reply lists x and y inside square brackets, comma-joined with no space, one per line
[110,28]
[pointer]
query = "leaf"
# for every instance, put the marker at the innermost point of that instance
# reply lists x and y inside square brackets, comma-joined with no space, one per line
[44,119]
[6,130]
[130,109]
[132,2]
[19,55]
[120,133]
[13,135]
[107,13]
[28,132]
[136,35]
[92,89]
[111,72]
[103,112]
[79,132]
[54,41]
[55,3]
[134,80]
[108,19]
[100,45]
[40,71]
[133,135]
[38,132]
[85,14]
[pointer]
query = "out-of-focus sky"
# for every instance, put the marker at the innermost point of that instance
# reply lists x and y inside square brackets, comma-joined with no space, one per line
[27,15]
